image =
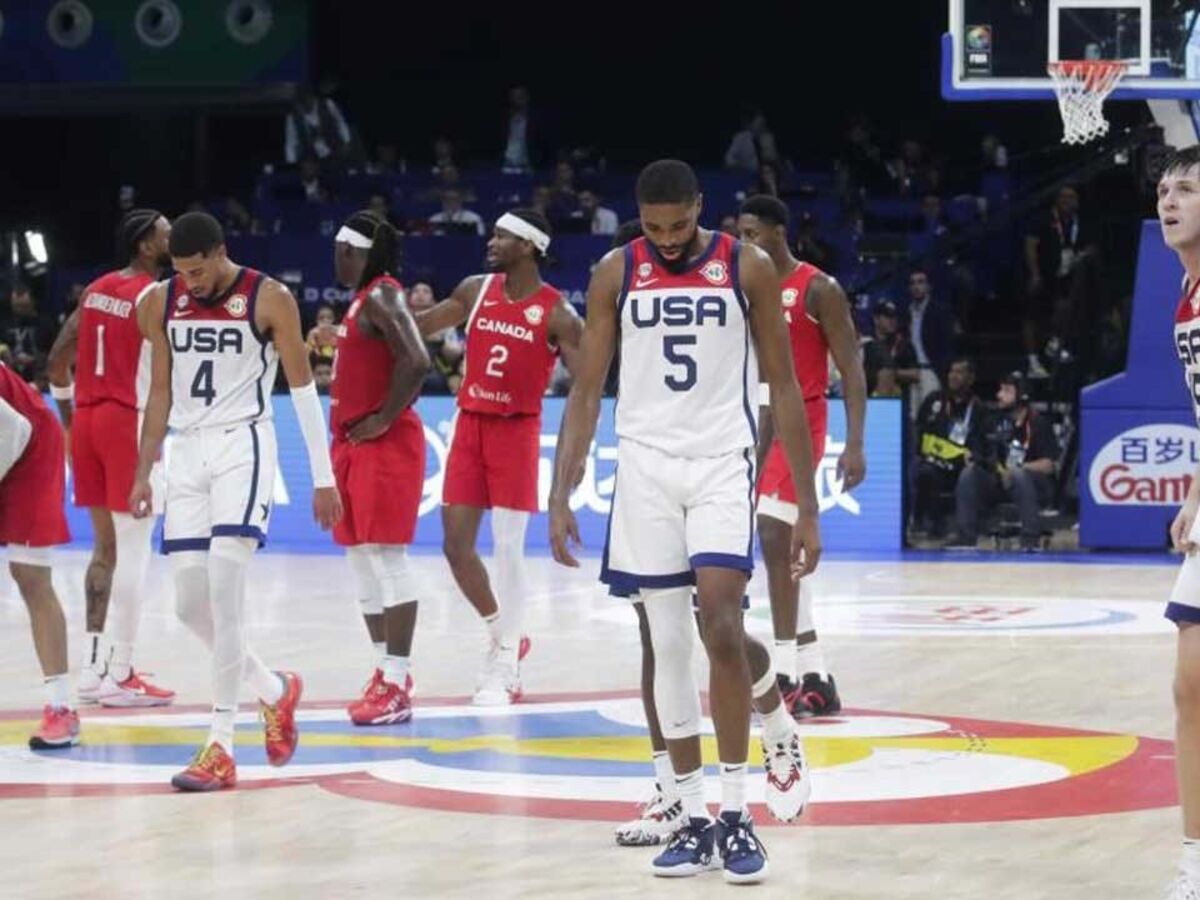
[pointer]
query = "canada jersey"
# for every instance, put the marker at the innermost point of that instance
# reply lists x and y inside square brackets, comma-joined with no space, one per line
[810,347]
[509,357]
[112,362]
[222,367]
[688,365]
[1187,344]
[362,368]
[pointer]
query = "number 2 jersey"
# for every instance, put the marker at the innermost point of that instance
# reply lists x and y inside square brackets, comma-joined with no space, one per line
[222,366]
[689,372]
[509,354]
[112,361]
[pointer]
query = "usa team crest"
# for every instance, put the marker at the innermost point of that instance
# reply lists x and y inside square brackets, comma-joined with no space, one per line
[715,272]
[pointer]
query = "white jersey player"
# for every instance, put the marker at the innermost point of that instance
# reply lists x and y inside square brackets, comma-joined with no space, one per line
[217,332]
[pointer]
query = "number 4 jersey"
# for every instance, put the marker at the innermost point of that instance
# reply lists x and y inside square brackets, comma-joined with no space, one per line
[222,366]
[689,373]
[509,354]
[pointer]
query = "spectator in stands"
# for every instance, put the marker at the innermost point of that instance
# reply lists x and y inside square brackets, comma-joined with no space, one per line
[27,333]
[540,200]
[236,218]
[931,331]
[314,188]
[933,216]
[70,303]
[862,160]
[1018,463]
[454,217]
[1060,269]
[322,337]
[729,224]
[315,127]
[443,155]
[449,177]
[518,155]
[126,198]
[378,204]
[888,358]
[950,430]
[993,154]
[322,369]
[767,180]
[810,248]
[387,161]
[597,219]
[446,348]
[753,146]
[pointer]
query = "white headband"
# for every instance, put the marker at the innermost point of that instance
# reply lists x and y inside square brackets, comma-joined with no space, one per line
[524,230]
[353,238]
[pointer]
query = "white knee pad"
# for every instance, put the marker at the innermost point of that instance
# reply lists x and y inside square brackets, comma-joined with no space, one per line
[673,636]
[370,591]
[804,610]
[395,575]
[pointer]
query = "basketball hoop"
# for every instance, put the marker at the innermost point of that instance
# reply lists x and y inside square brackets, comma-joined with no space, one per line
[1082,86]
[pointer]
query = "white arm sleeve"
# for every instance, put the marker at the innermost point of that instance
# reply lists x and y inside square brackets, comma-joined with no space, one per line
[15,431]
[312,426]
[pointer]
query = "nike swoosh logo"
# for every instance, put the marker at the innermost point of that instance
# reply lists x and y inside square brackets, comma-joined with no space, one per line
[491,302]
[646,283]
[184,312]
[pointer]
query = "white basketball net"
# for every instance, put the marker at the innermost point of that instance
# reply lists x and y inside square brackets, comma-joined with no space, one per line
[1082,86]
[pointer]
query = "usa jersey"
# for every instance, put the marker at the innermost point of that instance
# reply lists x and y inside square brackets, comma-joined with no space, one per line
[222,366]
[688,364]
[112,362]
[509,357]
[1187,344]
[810,347]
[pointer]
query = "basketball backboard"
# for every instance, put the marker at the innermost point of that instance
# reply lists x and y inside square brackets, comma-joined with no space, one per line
[999,49]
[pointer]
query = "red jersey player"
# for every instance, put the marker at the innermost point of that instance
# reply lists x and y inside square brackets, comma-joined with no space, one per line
[516,325]
[112,378]
[819,322]
[378,454]
[32,485]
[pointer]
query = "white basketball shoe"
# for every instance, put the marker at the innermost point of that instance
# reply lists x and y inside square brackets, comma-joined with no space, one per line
[788,781]
[658,820]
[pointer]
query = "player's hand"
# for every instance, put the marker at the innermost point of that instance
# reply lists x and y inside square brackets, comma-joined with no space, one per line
[327,507]
[1181,529]
[368,428]
[564,533]
[852,467]
[141,499]
[806,546]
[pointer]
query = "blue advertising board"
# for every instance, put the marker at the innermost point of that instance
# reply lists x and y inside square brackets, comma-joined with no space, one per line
[868,519]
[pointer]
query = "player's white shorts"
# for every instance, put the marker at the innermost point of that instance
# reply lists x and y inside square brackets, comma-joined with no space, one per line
[671,515]
[219,484]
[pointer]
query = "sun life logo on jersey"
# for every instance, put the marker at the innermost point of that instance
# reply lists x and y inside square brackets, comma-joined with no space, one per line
[236,305]
[789,297]
[715,272]
[533,315]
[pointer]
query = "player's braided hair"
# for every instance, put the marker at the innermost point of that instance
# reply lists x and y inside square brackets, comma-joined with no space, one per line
[132,228]
[385,244]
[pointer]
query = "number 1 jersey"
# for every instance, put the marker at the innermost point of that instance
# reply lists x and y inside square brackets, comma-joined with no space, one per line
[112,362]
[689,372]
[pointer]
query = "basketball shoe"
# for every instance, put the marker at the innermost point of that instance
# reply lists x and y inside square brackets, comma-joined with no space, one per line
[743,857]
[90,682]
[279,721]
[58,730]
[817,697]
[211,769]
[656,823]
[788,784]
[134,691]
[500,680]
[1183,888]
[383,703]
[690,851]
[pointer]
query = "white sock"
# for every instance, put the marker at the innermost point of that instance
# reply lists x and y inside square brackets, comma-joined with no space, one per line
[809,658]
[783,655]
[395,668]
[380,653]
[691,792]
[93,656]
[221,729]
[493,626]
[58,691]
[733,787]
[1189,862]
[665,776]
[777,726]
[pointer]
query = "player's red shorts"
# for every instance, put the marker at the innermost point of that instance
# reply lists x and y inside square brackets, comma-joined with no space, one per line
[494,462]
[104,453]
[776,478]
[33,491]
[381,483]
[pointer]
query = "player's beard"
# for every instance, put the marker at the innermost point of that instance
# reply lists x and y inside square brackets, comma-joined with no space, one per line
[679,265]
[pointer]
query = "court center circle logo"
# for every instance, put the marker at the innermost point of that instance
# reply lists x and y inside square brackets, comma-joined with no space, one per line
[586,756]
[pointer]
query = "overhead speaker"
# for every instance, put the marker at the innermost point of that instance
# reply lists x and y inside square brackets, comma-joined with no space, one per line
[69,23]
[158,22]
[249,21]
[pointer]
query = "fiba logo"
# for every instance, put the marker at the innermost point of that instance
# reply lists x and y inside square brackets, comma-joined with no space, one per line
[236,305]
[644,270]
[533,315]
[979,39]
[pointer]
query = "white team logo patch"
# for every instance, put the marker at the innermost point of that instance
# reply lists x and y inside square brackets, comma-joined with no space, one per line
[789,297]
[715,272]
[644,270]
[236,305]
[533,315]
[182,301]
